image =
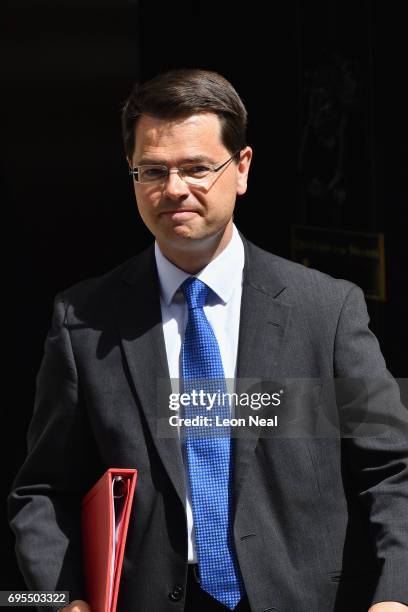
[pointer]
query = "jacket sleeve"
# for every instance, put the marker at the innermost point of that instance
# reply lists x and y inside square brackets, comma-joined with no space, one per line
[44,505]
[375,444]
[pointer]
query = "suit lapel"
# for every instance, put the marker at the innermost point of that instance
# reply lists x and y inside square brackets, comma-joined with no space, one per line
[142,339]
[263,324]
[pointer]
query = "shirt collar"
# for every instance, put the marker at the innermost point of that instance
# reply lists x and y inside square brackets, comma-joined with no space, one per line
[222,274]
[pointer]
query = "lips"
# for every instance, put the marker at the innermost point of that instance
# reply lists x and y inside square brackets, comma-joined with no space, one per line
[179,211]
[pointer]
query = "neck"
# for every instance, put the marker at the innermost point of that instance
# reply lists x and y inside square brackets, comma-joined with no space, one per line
[198,253]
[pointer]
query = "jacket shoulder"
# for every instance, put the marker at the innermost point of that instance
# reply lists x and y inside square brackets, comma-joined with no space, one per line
[297,279]
[97,293]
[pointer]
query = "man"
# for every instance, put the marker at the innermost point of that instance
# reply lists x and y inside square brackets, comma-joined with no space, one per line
[253,522]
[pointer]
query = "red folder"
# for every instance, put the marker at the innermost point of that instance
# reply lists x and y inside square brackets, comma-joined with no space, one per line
[105,519]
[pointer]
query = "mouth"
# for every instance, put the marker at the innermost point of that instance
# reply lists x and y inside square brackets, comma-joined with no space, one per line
[181,213]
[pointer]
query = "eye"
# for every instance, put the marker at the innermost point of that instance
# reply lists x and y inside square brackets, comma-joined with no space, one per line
[151,173]
[197,170]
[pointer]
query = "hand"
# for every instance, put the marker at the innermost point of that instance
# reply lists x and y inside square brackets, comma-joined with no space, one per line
[388,606]
[77,606]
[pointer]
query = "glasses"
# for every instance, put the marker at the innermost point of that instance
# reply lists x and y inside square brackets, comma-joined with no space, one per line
[195,173]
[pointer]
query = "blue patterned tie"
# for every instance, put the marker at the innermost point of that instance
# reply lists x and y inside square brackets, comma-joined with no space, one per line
[208,451]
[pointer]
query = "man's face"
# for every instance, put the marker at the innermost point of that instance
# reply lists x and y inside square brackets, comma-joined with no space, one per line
[183,216]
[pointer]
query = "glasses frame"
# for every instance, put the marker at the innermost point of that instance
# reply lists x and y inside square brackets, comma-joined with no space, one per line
[212,169]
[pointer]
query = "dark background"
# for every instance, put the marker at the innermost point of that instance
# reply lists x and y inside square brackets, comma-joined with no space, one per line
[67,201]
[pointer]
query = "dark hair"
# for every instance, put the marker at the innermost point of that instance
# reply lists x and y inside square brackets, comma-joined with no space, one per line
[178,94]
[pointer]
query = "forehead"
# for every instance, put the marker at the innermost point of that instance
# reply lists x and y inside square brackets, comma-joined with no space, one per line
[197,134]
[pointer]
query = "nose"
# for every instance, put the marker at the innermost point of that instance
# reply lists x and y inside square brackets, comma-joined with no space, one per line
[175,187]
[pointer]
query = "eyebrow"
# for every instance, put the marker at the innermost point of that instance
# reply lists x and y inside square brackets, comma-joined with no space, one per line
[147,161]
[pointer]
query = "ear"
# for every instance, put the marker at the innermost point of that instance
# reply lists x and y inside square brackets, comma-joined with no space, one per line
[243,169]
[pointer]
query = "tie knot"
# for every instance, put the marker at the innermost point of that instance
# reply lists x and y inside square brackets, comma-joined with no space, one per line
[195,292]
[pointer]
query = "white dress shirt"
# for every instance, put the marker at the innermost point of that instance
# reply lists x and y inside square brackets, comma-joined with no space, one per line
[224,276]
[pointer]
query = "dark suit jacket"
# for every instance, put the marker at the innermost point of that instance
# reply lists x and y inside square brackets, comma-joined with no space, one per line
[320,524]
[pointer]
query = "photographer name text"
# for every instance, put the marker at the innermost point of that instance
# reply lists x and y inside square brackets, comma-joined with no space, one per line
[217,421]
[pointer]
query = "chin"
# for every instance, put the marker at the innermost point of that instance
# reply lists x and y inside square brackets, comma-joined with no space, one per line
[187,232]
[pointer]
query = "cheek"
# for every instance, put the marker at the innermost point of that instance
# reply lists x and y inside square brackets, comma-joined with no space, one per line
[148,197]
[145,202]
[224,205]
